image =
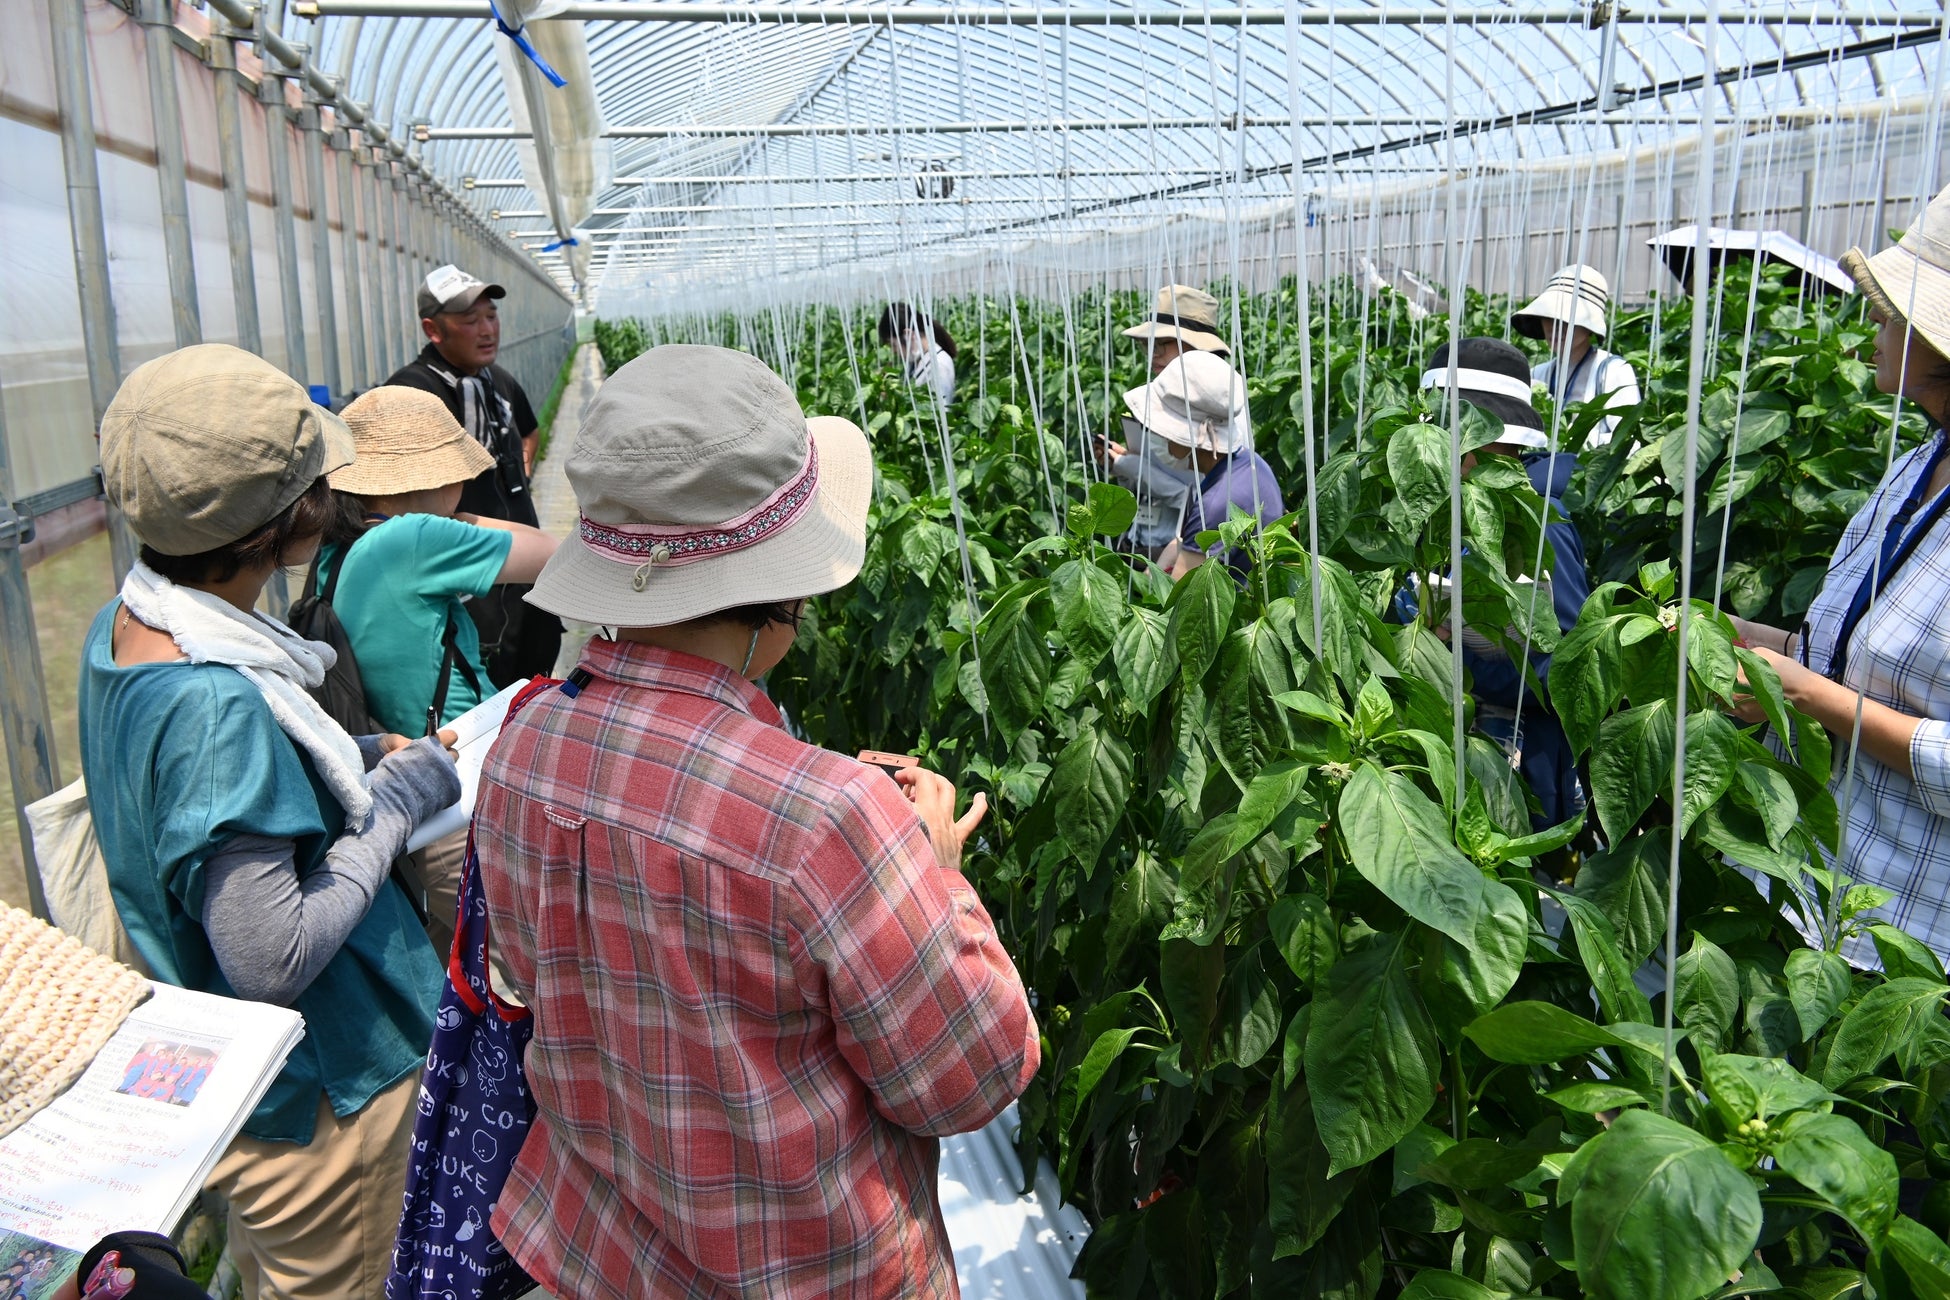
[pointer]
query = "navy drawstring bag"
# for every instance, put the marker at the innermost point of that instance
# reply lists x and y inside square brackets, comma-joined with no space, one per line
[474,1113]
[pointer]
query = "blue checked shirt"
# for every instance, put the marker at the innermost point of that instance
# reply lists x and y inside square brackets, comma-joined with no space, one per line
[1898,833]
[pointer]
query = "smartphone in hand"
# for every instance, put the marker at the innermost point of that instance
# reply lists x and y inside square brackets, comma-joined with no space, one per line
[889,763]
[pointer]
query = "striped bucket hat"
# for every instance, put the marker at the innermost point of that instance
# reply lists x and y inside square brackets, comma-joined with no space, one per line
[1910,280]
[1577,295]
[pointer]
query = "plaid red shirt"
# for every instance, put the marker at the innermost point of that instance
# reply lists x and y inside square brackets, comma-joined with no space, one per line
[758,998]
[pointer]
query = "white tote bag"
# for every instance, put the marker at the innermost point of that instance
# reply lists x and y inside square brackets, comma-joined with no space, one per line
[73,875]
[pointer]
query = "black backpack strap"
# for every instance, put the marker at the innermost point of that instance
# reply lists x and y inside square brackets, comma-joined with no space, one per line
[450,659]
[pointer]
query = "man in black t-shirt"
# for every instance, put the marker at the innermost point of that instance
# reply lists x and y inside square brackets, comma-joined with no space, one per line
[463,329]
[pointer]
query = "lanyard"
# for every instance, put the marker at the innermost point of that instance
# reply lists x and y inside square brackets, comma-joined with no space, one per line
[1899,542]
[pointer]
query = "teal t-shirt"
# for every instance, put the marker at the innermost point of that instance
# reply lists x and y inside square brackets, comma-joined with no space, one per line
[401,581]
[178,758]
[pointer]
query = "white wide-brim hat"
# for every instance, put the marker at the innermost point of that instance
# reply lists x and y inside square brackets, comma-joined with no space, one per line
[1910,280]
[1576,295]
[1196,401]
[702,487]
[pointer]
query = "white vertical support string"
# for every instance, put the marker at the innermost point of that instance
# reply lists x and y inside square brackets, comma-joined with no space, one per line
[1302,303]
[1696,373]
[1454,395]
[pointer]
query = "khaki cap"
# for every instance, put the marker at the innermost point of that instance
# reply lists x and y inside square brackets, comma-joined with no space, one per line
[702,486]
[408,441]
[205,445]
[1189,315]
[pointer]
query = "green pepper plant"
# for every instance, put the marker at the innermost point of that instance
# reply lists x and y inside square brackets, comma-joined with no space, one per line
[1317,1018]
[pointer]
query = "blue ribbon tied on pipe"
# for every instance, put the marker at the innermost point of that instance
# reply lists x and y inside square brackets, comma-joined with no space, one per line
[550,248]
[523,44]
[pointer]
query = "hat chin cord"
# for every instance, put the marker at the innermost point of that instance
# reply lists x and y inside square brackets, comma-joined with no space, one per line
[750,650]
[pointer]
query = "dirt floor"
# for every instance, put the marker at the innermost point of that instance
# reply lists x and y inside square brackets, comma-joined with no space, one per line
[69,589]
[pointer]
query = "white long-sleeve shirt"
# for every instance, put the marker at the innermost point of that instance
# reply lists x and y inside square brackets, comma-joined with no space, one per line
[1598,372]
[934,370]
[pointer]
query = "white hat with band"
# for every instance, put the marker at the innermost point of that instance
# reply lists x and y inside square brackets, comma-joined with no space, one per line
[702,487]
[1576,295]
[1196,401]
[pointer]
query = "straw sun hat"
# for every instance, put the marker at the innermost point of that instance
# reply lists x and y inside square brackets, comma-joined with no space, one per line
[1196,401]
[1576,295]
[1910,280]
[407,441]
[1189,315]
[702,487]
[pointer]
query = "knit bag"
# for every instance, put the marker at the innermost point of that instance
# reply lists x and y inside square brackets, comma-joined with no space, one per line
[474,1113]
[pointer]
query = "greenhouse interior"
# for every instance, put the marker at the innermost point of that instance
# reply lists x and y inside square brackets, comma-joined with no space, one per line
[1101,649]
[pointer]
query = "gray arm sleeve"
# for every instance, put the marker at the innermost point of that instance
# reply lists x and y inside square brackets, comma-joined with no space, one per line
[273,930]
[369,751]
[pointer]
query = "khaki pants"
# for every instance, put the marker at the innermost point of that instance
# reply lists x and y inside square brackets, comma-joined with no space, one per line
[435,871]
[317,1222]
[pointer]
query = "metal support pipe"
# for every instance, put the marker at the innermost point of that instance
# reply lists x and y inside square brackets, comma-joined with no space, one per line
[24,715]
[221,55]
[383,278]
[321,248]
[68,27]
[359,372]
[166,122]
[278,145]
[661,11]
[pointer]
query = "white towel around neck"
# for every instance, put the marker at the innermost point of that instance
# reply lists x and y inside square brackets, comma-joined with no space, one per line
[282,665]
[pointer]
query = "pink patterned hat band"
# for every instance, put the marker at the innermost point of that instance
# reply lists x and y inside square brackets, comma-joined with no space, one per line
[659,545]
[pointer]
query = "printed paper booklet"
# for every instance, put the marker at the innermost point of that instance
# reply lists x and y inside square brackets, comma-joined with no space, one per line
[474,732]
[129,1144]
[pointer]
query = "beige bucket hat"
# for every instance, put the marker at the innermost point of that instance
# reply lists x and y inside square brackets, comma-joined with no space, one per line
[407,441]
[1196,401]
[1576,295]
[702,486]
[203,446]
[1189,315]
[1910,280]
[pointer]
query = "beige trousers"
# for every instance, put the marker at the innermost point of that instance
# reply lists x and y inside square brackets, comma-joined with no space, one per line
[435,870]
[316,1222]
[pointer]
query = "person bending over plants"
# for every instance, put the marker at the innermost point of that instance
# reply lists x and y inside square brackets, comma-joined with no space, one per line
[1197,406]
[1878,632]
[1494,377]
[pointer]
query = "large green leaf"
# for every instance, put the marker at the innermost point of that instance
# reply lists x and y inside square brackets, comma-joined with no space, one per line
[1372,1056]
[1714,748]
[1632,765]
[1418,461]
[1144,658]
[1015,663]
[1400,842]
[1818,983]
[1628,884]
[1903,957]
[1440,1284]
[1833,1158]
[1139,906]
[1586,675]
[1191,975]
[1303,1196]
[1479,974]
[1307,934]
[1660,1213]
[1887,1018]
[1089,608]
[1537,1033]
[1090,784]
[1706,989]
[1759,1087]
[1610,972]
[1201,614]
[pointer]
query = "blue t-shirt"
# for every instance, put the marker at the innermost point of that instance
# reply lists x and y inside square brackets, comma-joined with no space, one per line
[179,757]
[403,580]
[1243,479]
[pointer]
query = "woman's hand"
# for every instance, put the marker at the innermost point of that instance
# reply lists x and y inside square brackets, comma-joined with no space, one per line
[933,797]
[392,741]
[1760,636]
